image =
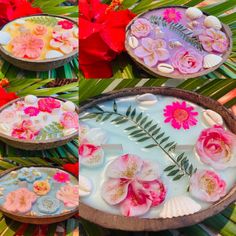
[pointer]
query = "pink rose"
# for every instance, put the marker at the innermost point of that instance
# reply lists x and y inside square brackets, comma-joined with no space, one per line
[216,147]
[48,104]
[187,61]
[31,111]
[206,185]
[70,120]
[7,116]
[40,30]
[141,28]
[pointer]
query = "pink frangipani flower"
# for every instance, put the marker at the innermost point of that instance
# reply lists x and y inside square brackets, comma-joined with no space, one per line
[171,15]
[152,51]
[207,186]
[217,147]
[180,115]
[133,184]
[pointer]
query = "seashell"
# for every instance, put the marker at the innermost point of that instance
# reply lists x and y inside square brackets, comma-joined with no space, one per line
[212,118]
[30,99]
[67,132]
[4,38]
[179,206]
[212,22]
[20,22]
[175,44]
[159,33]
[165,68]
[211,60]
[53,54]
[4,128]
[193,24]
[146,99]
[68,106]
[133,42]
[193,13]
[85,186]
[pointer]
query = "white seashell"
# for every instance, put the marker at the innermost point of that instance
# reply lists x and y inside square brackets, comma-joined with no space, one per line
[85,186]
[4,128]
[165,68]
[175,44]
[133,42]
[193,24]
[20,22]
[53,54]
[179,206]
[212,22]
[68,106]
[193,13]
[31,99]
[67,132]
[212,118]
[4,38]
[159,33]
[146,99]
[211,60]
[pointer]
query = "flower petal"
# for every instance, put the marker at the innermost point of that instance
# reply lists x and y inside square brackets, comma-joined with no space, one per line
[151,60]
[148,172]
[141,52]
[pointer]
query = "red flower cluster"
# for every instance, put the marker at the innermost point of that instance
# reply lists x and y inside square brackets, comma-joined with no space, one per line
[12,9]
[102,36]
[6,97]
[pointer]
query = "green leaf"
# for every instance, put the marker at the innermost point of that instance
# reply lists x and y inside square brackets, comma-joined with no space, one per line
[169,168]
[173,172]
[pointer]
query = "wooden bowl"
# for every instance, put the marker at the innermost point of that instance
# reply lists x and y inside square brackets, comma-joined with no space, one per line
[156,73]
[38,220]
[35,144]
[119,222]
[39,65]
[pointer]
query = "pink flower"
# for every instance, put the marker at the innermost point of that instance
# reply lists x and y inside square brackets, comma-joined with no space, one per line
[7,116]
[31,111]
[27,46]
[64,41]
[141,28]
[40,30]
[19,105]
[171,15]
[214,40]
[25,130]
[180,115]
[65,24]
[48,104]
[70,120]
[20,200]
[206,185]
[133,184]
[217,147]
[69,195]
[187,61]
[61,177]
[152,51]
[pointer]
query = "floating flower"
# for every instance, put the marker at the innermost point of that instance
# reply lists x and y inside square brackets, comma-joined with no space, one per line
[6,97]
[171,15]
[70,120]
[31,111]
[19,106]
[69,195]
[48,204]
[25,130]
[214,40]
[187,61]
[41,187]
[217,147]
[29,174]
[134,184]
[27,46]
[207,186]
[20,200]
[7,116]
[64,41]
[48,104]
[61,177]
[180,115]
[141,28]
[40,30]
[152,51]
[65,24]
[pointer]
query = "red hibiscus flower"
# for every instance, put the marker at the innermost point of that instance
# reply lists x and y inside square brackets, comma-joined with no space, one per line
[12,9]
[102,36]
[6,97]
[72,168]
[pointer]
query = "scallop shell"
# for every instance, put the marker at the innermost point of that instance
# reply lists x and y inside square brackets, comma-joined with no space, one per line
[4,38]
[85,186]
[30,99]
[212,22]
[175,44]
[68,106]
[146,99]
[165,68]
[211,60]
[20,22]
[212,118]
[133,42]
[179,206]
[193,13]
[53,54]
